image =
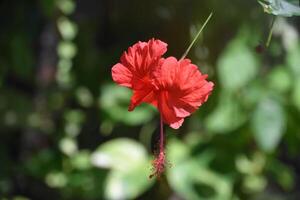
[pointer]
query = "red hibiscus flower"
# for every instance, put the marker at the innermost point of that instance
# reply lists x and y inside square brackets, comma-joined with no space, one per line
[180,90]
[136,70]
[175,88]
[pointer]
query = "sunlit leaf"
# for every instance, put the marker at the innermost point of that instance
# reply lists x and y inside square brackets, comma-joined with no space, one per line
[56,179]
[66,6]
[128,184]
[66,50]
[67,28]
[68,146]
[286,8]
[254,183]
[130,168]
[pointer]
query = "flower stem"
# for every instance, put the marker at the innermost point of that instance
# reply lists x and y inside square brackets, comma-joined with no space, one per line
[160,160]
[270,32]
[196,37]
[161,147]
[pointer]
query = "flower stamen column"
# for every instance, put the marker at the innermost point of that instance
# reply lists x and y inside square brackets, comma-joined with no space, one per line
[159,161]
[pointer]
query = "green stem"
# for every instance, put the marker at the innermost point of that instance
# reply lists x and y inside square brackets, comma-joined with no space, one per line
[271,32]
[196,37]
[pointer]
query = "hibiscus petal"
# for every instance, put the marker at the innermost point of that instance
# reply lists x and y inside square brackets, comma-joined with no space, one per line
[136,70]
[157,48]
[199,95]
[166,74]
[183,89]
[122,75]
[140,96]
[183,109]
[176,125]
[167,111]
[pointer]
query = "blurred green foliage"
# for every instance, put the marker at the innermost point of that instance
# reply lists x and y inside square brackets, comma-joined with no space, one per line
[65,132]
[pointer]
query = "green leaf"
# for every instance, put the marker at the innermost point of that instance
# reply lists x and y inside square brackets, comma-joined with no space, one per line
[268,124]
[66,6]
[84,96]
[280,80]
[254,183]
[283,174]
[56,179]
[286,8]
[130,168]
[204,184]
[293,60]
[81,160]
[66,50]
[296,94]
[237,65]
[128,184]
[115,100]
[227,116]
[67,28]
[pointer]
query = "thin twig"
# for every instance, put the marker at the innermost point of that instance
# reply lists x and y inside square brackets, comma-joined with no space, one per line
[196,37]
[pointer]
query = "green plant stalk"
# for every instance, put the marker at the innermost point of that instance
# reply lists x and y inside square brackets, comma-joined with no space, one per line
[196,37]
[270,32]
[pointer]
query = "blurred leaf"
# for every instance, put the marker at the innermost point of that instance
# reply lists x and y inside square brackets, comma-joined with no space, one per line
[20,198]
[252,94]
[81,160]
[66,6]
[286,8]
[296,94]
[226,117]
[283,174]
[74,119]
[41,163]
[129,166]
[119,154]
[188,172]
[115,100]
[67,28]
[237,65]
[84,96]
[280,80]
[74,116]
[268,124]
[128,184]
[293,60]
[66,50]
[254,166]
[254,183]
[56,179]
[68,146]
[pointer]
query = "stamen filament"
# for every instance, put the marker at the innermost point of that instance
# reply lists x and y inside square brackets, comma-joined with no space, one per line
[159,162]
